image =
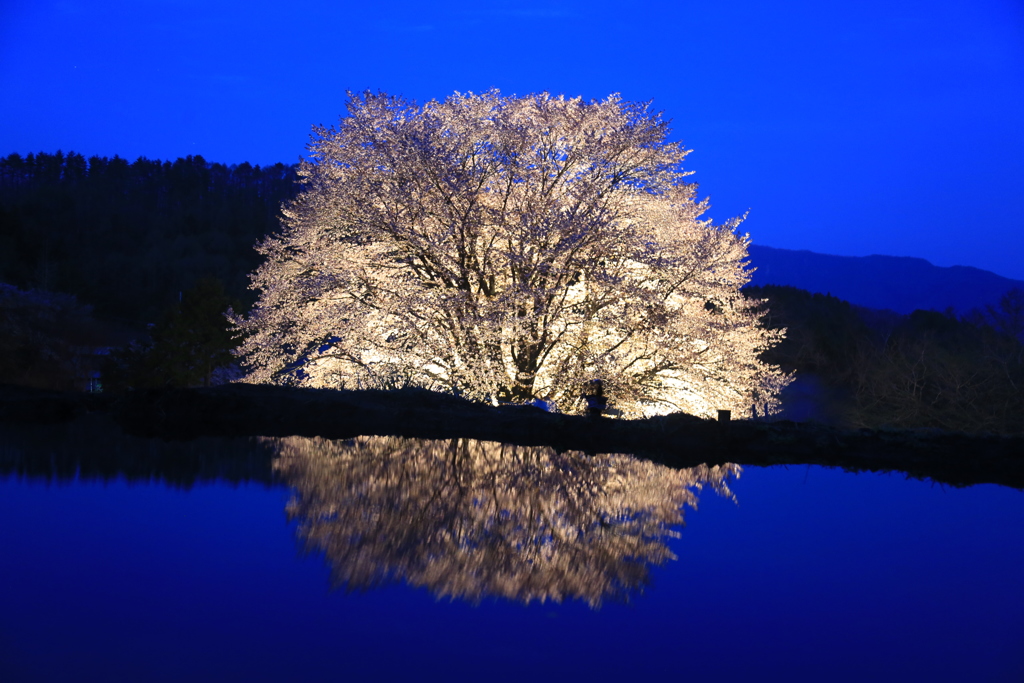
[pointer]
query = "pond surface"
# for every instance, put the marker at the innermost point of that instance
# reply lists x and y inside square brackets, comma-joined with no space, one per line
[393,559]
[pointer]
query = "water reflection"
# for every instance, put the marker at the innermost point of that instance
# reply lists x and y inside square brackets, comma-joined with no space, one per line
[468,519]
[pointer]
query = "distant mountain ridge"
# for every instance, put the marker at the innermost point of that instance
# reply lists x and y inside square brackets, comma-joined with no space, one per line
[897,283]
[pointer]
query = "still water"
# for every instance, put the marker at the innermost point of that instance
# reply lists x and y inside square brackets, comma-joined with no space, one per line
[391,559]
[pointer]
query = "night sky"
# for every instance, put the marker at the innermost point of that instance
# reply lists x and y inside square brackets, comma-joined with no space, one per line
[877,127]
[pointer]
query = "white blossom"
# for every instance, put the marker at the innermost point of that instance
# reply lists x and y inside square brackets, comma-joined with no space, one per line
[508,249]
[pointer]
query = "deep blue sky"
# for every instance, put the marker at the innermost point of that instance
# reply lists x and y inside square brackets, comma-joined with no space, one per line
[882,126]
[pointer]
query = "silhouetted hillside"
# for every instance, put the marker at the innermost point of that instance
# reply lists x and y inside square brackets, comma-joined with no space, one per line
[129,237]
[170,244]
[858,367]
[897,283]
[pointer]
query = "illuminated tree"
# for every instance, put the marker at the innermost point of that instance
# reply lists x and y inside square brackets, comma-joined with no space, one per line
[508,248]
[472,519]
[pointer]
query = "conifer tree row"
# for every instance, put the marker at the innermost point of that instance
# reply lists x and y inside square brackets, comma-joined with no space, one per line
[128,237]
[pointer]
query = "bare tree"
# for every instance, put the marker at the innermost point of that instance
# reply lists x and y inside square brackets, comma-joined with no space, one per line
[506,249]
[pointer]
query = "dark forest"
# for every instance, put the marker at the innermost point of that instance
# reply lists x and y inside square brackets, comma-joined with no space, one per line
[127,237]
[141,259]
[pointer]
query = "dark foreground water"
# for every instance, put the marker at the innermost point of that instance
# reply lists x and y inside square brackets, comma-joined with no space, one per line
[389,559]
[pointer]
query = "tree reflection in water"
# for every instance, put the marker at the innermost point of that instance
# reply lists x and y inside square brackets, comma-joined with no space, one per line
[468,519]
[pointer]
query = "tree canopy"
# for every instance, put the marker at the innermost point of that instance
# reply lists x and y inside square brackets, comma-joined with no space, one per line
[508,249]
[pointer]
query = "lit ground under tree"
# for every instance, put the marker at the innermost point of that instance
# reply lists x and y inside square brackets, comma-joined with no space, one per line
[508,249]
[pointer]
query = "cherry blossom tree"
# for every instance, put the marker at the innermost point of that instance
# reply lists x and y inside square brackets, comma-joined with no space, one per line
[508,249]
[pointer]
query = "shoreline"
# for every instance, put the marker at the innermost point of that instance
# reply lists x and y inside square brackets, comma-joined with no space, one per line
[677,440]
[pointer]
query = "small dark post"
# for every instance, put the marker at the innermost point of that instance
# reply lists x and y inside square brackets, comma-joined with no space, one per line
[594,396]
[724,418]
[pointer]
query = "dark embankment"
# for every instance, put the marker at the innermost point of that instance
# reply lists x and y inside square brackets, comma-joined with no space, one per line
[674,440]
